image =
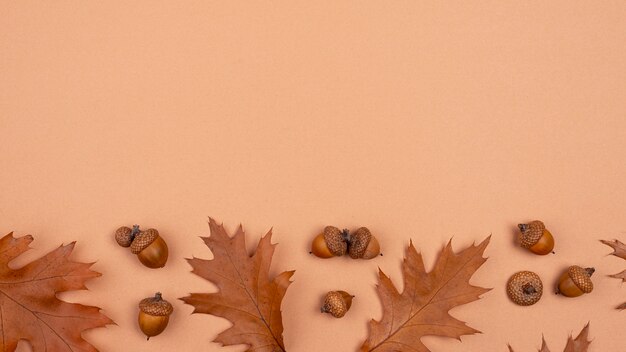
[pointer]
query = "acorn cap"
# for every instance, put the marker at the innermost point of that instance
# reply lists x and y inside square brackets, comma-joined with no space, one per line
[335,241]
[359,241]
[123,236]
[524,288]
[143,240]
[581,277]
[337,303]
[156,306]
[531,233]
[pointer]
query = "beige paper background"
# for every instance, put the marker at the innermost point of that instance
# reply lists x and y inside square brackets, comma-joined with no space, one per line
[420,120]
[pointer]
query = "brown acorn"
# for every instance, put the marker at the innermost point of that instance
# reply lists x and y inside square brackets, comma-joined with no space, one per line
[150,248]
[536,238]
[524,288]
[330,243]
[575,281]
[337,303]
[363,244]
[125,235]
[154,314]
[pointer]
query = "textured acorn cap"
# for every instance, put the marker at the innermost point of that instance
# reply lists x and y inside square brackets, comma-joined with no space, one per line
[123,236]
[335,241]
[143,240]
[581,277]
[531,233]
[359,241]
[335,303]
[524,288]
[156,306]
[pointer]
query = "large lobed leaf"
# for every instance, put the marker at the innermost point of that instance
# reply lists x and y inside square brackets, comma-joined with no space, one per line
[29,308]
[247,297]
[580,344]
[422,308]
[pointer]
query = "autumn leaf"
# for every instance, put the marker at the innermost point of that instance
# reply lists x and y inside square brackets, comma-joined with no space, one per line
[621,275]
[422,308]
[580,344]
[619,250]
[29,308]
[247,297]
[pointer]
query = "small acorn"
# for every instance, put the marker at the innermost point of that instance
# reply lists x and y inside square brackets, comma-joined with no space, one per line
[150,248]
[363,244]
[536,238]
[575,281]
[337,303]
[524,288]
[154,314]
[125,235]
[330,243]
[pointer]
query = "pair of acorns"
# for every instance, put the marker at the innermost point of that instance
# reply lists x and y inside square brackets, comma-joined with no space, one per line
[525,287]
[148,245]
[333,242]
[151,249]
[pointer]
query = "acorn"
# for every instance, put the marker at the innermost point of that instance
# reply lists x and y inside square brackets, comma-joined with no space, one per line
[330,243]
[524,288]
[337,303]
[125,235]
[363,245]
[575,281]
[536,238]
[150,248]
[154,314]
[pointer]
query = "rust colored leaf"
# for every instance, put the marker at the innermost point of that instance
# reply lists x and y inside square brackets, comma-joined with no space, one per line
[422,308]
[29,308]
[544,347]
[247,296]
[619,249]
[621,275]
[580,344]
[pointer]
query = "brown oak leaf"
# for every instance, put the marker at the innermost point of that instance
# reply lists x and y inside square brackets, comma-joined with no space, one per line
[621,275]
[422,308]
[580,344]
[247,296]
[619,250]
[29,308]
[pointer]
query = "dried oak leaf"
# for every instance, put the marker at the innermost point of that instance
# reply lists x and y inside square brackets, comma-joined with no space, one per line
[29,308]
[422,308]
[580,344]
[619,250]
[246,297]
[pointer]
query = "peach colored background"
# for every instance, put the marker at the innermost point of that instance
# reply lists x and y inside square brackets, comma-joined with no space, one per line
[418,119]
